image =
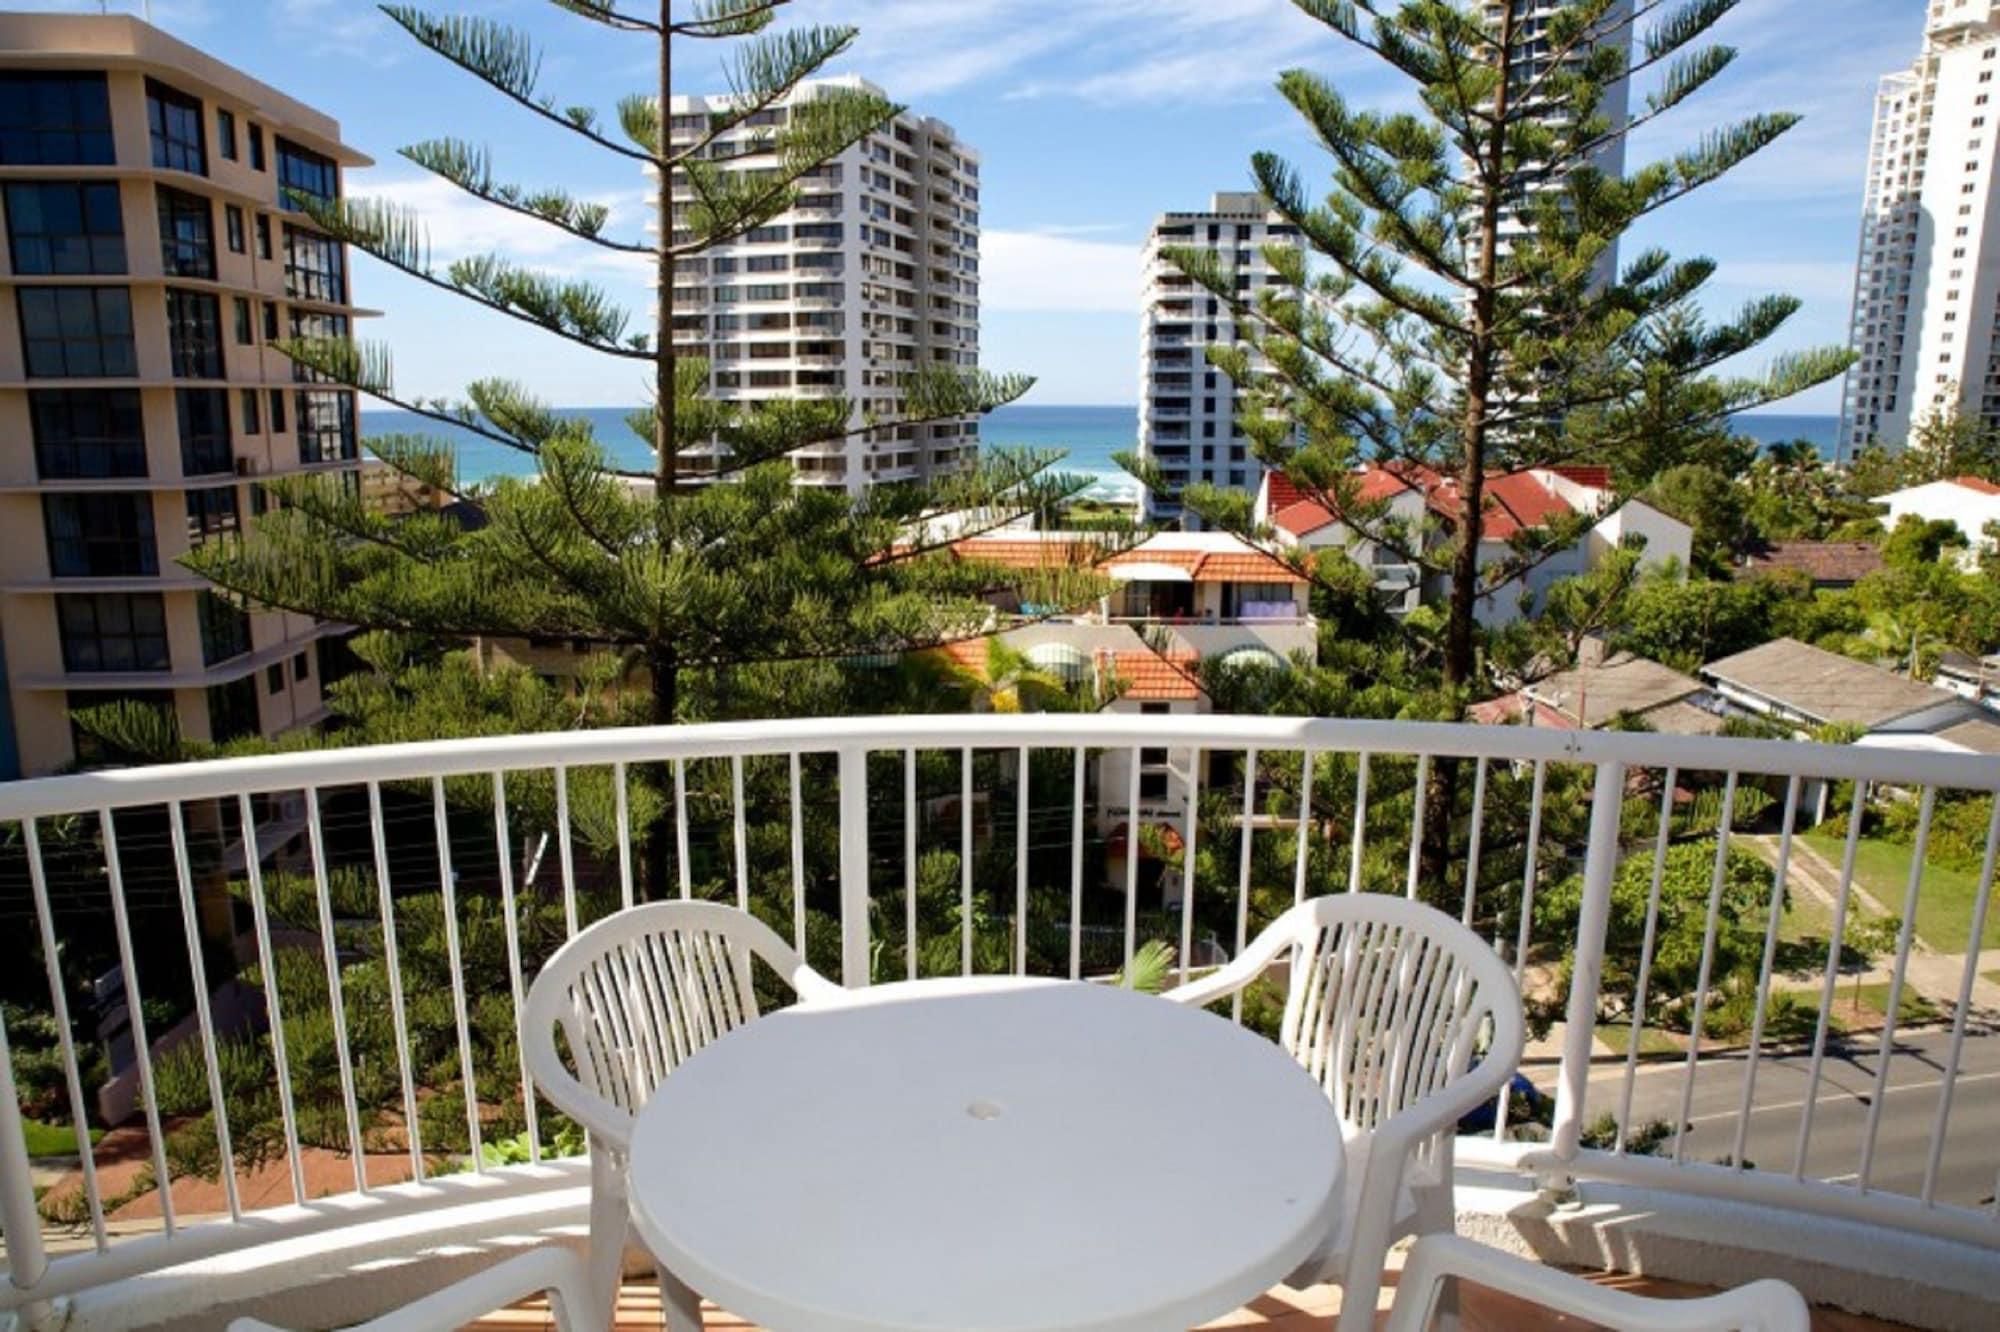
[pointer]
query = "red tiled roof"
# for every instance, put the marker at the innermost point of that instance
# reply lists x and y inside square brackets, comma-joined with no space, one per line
[1247,565]
[1586,474]
[1294,512]
[1153,677]
[1821,561]
[1023,554]
[1251,566]
[1976,483]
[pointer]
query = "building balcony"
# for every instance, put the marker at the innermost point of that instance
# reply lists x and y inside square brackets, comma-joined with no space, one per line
[1854,1158]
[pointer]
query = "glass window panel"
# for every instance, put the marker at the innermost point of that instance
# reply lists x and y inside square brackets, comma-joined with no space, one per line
[84,433]
[77,332]
[55,119]
[175,120]
[113,631]
[100,536]
[204,429]
[187,235]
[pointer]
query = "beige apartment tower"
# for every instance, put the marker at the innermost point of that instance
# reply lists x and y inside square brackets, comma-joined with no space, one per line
[150,261]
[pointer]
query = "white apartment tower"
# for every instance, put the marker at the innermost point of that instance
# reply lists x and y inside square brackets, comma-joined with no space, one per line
[1187,408]
[1532,20]
[873,274]
[1927,284]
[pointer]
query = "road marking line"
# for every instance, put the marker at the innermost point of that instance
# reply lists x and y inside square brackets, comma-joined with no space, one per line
[1838,1094]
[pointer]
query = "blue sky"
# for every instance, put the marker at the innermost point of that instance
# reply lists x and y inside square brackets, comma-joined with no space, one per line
[1092,116]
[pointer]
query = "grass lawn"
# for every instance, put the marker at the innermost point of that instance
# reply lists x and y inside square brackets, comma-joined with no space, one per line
[53,1139]
[1617,1036]
[1944,903]
[1993,976]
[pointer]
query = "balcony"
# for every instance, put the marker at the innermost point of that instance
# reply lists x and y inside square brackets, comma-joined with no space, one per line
[326,1162]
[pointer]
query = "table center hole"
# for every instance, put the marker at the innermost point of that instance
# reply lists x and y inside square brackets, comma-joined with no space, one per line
[983,1109]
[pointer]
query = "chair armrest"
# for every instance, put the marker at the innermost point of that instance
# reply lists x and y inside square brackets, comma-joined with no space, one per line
[554,1269]
[1762,1306]
[1279,935]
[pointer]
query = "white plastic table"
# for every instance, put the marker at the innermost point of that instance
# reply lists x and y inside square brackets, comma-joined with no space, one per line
[990,1153]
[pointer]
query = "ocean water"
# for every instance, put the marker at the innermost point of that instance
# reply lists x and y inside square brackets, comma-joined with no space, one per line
[1086,436]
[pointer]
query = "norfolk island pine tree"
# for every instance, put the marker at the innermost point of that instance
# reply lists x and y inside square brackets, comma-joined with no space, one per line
[1408,332]
[673,571]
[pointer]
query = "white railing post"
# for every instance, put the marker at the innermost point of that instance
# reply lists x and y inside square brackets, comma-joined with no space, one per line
[1600,862]
[27,1260]
[854,942]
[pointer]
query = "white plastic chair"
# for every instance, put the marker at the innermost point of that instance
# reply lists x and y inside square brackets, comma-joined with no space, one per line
[554,1270]
[1387,1004]
[1761,1306]
[635,996]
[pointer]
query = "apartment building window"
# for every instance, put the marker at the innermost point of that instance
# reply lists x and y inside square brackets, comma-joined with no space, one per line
[65,227]
[175,120]
[225,628]
[312,326]
[301,667]
[252,425]
[203,417]
[225,133]
[187,235]
[277,411]
[232,226]
[100,536]
[194,334]
[263,235]
[212,515]
[326,426]
[55,120]
[232,711]
[246,329]
[764,235]
[307,172]
[113,631]
[315,269]
[256,147]
[77,332]
[87,433]
[270,321]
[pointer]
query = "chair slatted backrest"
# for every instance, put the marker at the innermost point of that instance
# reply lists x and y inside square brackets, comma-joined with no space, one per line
[640,993]
[1389,1002]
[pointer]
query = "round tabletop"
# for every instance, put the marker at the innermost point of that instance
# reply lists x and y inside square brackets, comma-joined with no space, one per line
[987,1153]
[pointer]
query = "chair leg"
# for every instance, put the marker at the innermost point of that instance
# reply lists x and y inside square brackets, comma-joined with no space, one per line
[608,1221]
[680,1306]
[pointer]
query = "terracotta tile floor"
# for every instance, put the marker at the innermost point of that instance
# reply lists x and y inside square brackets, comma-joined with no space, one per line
[1282,1310]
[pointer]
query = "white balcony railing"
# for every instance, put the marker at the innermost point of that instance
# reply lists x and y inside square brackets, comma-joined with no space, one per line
[847,831]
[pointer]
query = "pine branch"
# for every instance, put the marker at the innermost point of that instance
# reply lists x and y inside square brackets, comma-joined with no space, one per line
[577,311]
[504,58]
[604,12]
[728,18]
[470,168]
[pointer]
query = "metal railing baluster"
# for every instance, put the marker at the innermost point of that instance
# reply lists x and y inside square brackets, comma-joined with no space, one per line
[392,967]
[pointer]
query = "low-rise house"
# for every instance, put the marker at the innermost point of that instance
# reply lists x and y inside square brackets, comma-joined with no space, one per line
[1968,501]
[1976,678]
[1606,689]
[1804,687]
[1513,503]
[1832,565]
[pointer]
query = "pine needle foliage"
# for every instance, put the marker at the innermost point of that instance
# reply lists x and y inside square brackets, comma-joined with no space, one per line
[712,560]
[1451,311]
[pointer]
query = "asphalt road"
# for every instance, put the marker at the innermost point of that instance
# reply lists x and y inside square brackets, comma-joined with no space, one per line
[1968,1168]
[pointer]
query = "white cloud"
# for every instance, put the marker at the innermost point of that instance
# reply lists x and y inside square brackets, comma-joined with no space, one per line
[1039,270]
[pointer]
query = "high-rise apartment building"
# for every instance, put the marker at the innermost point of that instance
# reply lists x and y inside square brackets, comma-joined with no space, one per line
[872,275]
[1927,284]
[1188,409]
[1535,55]
[151,260]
